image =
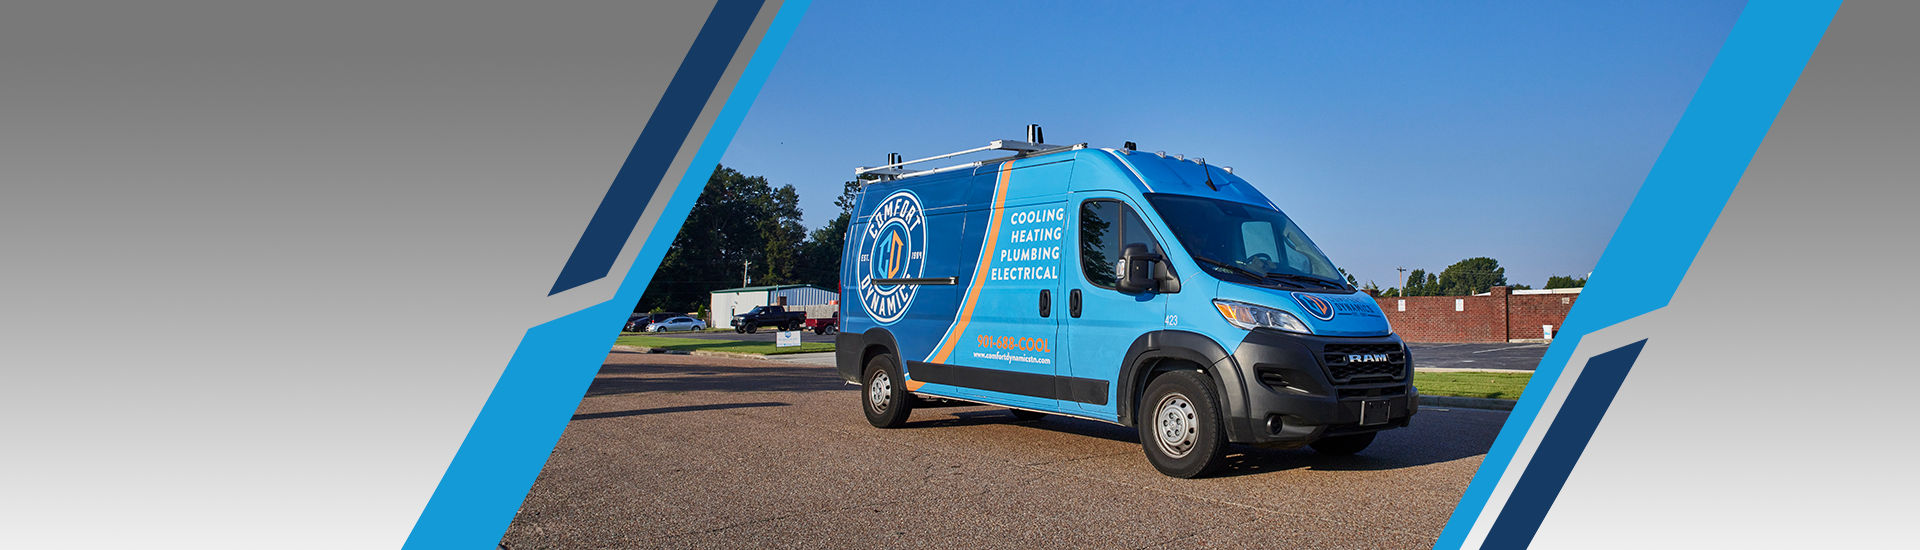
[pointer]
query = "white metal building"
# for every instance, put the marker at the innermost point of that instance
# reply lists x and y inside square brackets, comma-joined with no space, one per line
[724,304]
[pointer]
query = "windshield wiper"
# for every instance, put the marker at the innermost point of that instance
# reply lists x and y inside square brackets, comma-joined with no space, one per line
[1299,277]
[1251,274]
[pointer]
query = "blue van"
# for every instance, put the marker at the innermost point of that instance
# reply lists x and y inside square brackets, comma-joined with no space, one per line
[1134,288]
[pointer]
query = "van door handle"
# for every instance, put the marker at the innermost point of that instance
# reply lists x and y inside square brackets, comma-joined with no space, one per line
[1073,303]
[1046,303]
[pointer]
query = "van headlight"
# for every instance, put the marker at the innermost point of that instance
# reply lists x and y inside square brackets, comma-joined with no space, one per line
[1249,316]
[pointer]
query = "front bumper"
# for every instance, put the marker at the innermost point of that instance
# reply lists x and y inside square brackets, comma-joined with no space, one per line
[1299,388]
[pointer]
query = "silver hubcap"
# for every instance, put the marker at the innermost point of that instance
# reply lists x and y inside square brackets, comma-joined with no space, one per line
[879,392]
[1176,427]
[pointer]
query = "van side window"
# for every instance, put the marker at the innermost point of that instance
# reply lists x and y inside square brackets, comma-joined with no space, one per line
[1106,227]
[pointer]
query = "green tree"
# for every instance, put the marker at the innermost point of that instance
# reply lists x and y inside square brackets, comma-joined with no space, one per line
[781,235]
[738,220]
[820,255]
[1563,281]
[1417,283]
[1472,276]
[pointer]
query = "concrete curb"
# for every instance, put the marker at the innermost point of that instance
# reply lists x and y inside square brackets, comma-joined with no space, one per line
[1466,402]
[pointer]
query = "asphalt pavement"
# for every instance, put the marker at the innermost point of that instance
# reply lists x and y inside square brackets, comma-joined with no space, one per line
[1515,357]
[676,451]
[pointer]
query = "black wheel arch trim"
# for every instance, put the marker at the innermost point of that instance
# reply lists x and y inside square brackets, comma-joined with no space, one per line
[1149,349]
[850,351]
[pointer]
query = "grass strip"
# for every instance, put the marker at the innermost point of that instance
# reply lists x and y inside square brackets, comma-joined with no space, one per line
[1492,385]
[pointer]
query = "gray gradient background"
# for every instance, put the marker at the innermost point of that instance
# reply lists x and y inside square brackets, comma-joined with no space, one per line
[1770,407]
[264,263]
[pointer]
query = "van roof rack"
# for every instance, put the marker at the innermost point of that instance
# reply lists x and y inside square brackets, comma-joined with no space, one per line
[896,168]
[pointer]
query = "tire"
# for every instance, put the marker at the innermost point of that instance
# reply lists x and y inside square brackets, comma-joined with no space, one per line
[1180,425]
[820,330]
[883,394]
[1024,415]
[737,329]
[1343,445]
[753,329]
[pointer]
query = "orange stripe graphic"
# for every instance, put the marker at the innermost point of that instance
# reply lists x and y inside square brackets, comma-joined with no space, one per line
[979,271]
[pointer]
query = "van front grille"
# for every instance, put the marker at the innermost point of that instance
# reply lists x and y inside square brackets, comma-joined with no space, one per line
[1343,367]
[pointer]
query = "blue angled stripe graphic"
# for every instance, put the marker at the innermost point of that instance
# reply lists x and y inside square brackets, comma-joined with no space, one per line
[1674,211]
[659,143]
[1586,404]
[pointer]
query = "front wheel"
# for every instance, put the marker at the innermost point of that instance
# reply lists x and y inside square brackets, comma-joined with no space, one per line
[885,397]
[1180,425]
[753,329]
[737,329]
[1343,445]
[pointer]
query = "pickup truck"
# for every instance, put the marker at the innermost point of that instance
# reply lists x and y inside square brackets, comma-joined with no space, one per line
[768,316]
[824,325]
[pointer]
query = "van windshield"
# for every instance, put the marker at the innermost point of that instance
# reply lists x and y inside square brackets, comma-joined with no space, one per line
[1252,242]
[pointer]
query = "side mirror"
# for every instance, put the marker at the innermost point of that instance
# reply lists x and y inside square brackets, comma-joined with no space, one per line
[1142,271]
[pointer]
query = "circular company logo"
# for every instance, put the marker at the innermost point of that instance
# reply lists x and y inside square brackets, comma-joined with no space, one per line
[893,247]
[1316,306]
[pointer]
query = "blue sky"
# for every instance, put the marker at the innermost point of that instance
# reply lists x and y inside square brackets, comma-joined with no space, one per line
[1395,133]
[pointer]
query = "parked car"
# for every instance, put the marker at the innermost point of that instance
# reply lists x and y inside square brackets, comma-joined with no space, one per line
[639,324]
[678,324]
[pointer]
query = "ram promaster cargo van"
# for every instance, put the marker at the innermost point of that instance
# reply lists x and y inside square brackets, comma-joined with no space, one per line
[1139,289]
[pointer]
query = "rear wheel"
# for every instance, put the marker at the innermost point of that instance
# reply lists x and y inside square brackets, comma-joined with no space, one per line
[1343,445]
[885,398]
[1180,425]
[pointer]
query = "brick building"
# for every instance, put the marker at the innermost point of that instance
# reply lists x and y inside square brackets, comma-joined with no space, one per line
[1502,315]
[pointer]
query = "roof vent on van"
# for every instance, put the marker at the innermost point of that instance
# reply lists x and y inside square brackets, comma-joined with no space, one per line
[1163,154]
[1130,146]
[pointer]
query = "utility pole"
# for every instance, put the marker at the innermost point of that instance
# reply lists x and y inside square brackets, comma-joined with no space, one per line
[1403,281]
[743,272]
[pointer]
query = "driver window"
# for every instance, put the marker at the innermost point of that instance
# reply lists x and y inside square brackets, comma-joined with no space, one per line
[1256,239]
[1106,227]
